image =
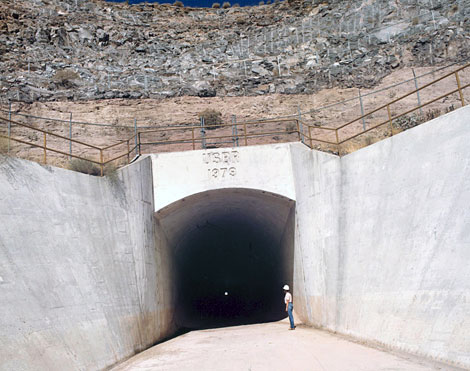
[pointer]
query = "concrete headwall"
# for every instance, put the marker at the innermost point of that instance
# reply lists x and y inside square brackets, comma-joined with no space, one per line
[82,275]
[181,174]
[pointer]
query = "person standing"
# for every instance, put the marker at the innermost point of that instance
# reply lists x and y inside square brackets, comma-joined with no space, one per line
[289,306]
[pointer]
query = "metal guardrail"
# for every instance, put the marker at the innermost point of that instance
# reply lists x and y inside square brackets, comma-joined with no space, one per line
[240,132]
[391,117]
[45,135]
[141,141]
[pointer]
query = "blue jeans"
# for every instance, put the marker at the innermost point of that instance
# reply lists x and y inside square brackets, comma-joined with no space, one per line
[290,307]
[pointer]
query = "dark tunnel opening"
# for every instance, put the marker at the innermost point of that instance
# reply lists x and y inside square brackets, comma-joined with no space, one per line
[229,274]
[231,251]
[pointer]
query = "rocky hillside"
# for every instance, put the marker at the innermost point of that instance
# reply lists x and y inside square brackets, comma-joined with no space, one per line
[86,50]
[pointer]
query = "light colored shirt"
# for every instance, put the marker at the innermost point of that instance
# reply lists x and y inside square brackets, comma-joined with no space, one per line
[288,298]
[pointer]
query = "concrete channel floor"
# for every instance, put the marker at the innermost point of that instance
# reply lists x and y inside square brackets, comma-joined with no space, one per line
[270,346]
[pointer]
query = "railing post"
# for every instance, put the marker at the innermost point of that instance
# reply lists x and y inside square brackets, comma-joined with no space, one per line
[299,124]
[298,129]
[135,136]
[459,87]
[9,125]
[390,119]
[70,137]
[139,143]
[128,152]
[417,91]
[362,111]
[310,136]
[337,141]
[45,151]
[244,133]
[101,161]
[234,130]
[203,133]
[192,135]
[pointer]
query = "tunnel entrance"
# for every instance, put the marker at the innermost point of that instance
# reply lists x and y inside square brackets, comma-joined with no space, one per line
[231,251]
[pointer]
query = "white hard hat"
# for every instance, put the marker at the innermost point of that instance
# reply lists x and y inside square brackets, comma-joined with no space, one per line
[286,287]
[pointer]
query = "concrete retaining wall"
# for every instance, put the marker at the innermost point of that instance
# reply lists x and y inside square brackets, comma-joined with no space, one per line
[79,261]
[404,277]
[383,240]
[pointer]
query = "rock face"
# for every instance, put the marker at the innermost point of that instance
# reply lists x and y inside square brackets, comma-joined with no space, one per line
[86,50]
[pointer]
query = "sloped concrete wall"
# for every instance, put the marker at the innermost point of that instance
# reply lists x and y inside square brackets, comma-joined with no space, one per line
[82,279]
[403,274]
[382,244]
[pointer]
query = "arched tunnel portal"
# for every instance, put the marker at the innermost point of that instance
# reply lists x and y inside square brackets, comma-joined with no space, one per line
[231,251]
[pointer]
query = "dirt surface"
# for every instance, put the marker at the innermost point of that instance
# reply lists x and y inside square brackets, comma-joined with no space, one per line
[270,347]
[149,114]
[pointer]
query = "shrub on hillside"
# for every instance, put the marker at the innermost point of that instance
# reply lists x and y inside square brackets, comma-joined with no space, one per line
[449,109]
[236,5]
[216,5]
[412,120]
[291,127]
[84,166]
[226,5]
[212,118]
[407,122]
[432,114]
[178,4]
[261,3]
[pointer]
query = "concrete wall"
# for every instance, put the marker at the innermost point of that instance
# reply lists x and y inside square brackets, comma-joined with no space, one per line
[317,189]
[381,246]
[383,240]
[79,261]
[381,235]
[287,247]
[404,277]
[265,167]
